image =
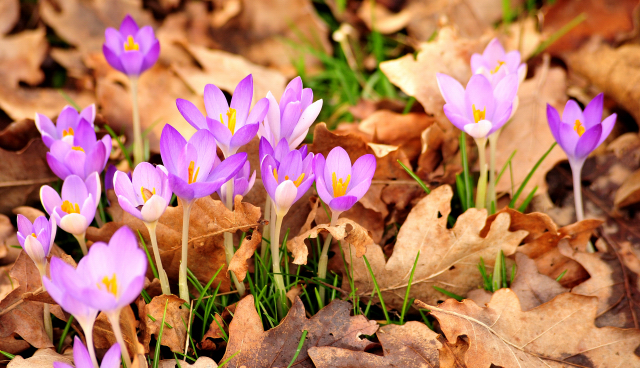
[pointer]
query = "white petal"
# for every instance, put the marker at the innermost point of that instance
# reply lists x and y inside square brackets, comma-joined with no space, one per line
[479,129]
[286,194]
[272,119]
[514,106]
[153,209]
[306,119]
[34,249]
[74,223]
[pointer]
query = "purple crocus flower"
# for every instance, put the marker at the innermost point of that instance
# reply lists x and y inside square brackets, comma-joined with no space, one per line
[339,185]
[292,118]
[495,63]
[81,357]
[242,183]
[131,50]
[37,239]
[193,166]
[280,151]
[289,181]
[84,156]
[232,126]
[66,124]
[147,195]
[75,210]
[479,109]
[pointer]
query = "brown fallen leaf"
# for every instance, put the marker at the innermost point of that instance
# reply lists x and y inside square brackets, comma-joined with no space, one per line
[410,345]
[556,334]
[212,340]
[9,15]
[629,191]
[331,326]
[151,317]
[202,362]
[21,57]
[448,257]
[532,287]
[104,338]
[42,358]
[239,262]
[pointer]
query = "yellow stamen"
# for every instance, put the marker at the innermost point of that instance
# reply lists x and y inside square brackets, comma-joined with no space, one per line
[275,175]
[131,45]
[34,235]
[111,284]
[70,208]
[500,64]
[297,182]
[340,188]
[67,132]
[146,193]
[578,128]
[77,148]
[192,176]
[478,114]
[231,120]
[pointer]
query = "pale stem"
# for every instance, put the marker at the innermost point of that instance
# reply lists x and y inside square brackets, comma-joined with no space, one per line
[228,241]
[83,243]
[482,181]
[138,145]
[275,257]
[114,319]
[324,255]
[493,145]
[576,172]
[164,280]
[48,327]
[266,233]
[182,277]
[87,327]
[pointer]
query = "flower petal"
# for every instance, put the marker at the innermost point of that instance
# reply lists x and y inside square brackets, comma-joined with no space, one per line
[171,144]
[309,115]
[452,92]
[153,209]
[74,223]
[593,112]
[215,102]
[571,113]
[243,136]
[588,142]
[478,130]
[132,62]
[241,99]
[285,196]
[338,162]
[191,114]
[128,27]
[363,170]
[343,203]
[607,126]
[50,198]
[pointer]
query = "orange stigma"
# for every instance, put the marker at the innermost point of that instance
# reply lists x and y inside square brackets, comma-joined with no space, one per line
[339,187]
[500,64]
[67,132]
[579,128]
[192,176]
[131,44]
[70,208]
[111,284]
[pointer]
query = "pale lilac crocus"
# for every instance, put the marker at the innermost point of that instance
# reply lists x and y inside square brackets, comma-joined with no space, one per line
[85,155]
[82,358]
[232,125]
[242,183]
[494,63]
[131,50]
[279,152]
[76,208]
[66,124]
[37,239]
[579,133]
[292,117]
[146,196]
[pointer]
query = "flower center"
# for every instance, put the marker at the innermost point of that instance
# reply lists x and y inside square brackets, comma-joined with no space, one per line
[500,64]
[77,148]
[67,132]
[579,128]
[131,45]
[69,207]
[297,182]
[110,284]
[192,176]
[231,120]
[477,114]
[34,235]
[146,193]
[339,187]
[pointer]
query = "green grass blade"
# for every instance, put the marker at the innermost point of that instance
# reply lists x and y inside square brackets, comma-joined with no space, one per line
[65,332]
[504,167]
[124,149]
[228,359]
[528,177]
[527,201]
[460,188]
[69,99]
[300,344]
[561,275]
[561,32]
[425,319]
[375,283]
[449,294]
[406,294]
[156,354]
[468,185]
[10,356]
[415,177]
[409,105]
[144,245]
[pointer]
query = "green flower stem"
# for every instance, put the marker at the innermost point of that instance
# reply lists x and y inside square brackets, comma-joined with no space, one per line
[114,319]
[83,243]
[182,277]
[138,145]
[493,145]
[266,233]
[482,181]
[324,255]
[164,280]
[48,327]
[275,258]
[228,242]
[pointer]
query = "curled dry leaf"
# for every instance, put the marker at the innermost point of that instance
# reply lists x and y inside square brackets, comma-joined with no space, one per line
[104,338]
[215,332]
[410,345]
[532,287]
[21,57]
[629,191]
[23,103]
[9,15]
[448,257]
[209,220]
[251,346]
[202,362]
[556,334]
[345,230]
[174,332]
[42,358]
[238,263]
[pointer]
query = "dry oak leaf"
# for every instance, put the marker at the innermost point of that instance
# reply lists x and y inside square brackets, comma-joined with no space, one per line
[202,362]
[448,257]
[21,56]
[629,191]
[331,326]
[346,230]
[532,287]
[23,103]
[104,338]
[175,317]
[42,358]
[410,345]
[218,329]
[208,221]
[239,262]
[9,15]
[558,333]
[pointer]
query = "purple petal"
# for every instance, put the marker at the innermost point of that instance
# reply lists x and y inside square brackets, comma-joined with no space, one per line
[264,148]
[57,167]
[342,203]
[272,119]
[112,357]
[338,162]
[228,168]
[359,190]
[593,112]
[506,89]
[113,59]
[553,118]
[145,176]
[221,133]
[259,111]
[123,188]
[363,170]
[307,98]
[25,227]
[215,102]
[241,99]
[571,113]
[206,188]
[50,198]
[95,159]
[93,186]
[291,167]
[68,118]
[171,144]
[132,62]
[512,59]
[191,114]
[45,126]
[307,118]
[74,189]
[145,38]
[243,136]
[304,186]
[479,93]
[89,114]
[494,52]
[153,208]
[455,118]
[180,187]
[127,206]
[205,144]
[85,135]
[81,356]
[477,62]
[452,92]
[128,27]
[290,118]
[588,142]
[113,41]
[151,57]
[568,139]
[607,126]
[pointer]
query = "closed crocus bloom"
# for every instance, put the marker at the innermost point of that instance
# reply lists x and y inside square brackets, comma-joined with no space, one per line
[131,50]
[494,63]
[84,156]
[287,182]
[37,239]
[147,195]
[232,125]
[66,124]
[242,183]
[291,118]
[479,109]
[339,184]
[81,357]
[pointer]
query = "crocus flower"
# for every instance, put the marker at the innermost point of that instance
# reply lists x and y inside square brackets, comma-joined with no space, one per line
[81,357]
[147,195]
[83,157]
[75,210]
[495,63]
[291,118]
[479,109]
[279,152]
[242,183]
[193,166]
[66,124]
[131,50]
[339,185]
[287,182]
[232,126]
[37,239]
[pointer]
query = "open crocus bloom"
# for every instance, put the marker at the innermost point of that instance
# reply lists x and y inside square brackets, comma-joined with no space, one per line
[81,357]
[280,151]
[242,183]
[339,185]
[193,167]
[85,155]
[495,63]
[479,109]
[66,124]
[37,239]
[287,182]
[232,125]
[131,50]
[578,132]
[75,210]
[291,118]
[147,195]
